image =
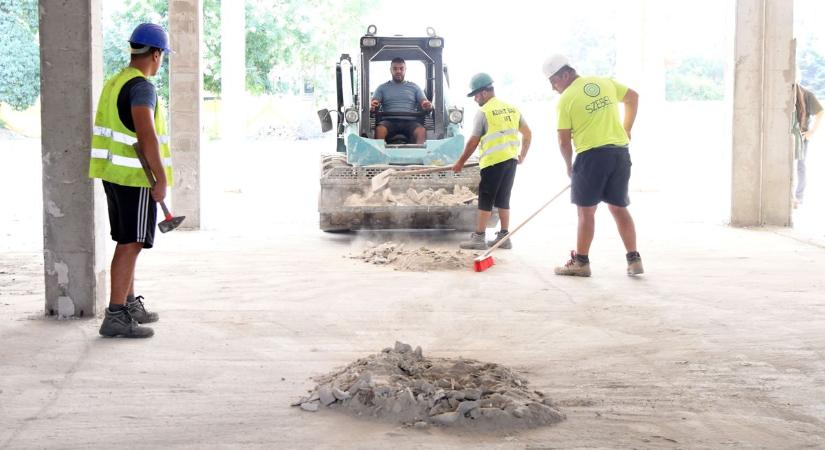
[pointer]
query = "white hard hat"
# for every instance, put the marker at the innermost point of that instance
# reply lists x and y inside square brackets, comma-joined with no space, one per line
[553,63]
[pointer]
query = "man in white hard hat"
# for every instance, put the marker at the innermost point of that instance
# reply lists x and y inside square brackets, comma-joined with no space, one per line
[495,130]
[588,118]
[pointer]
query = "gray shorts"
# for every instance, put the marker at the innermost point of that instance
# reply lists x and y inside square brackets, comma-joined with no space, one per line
[601,174]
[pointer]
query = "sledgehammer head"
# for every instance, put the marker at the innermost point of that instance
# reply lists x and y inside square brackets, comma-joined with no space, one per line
[170,223]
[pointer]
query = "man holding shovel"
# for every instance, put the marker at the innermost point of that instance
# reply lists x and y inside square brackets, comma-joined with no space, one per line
[495,129]
[588,117]
[128,112]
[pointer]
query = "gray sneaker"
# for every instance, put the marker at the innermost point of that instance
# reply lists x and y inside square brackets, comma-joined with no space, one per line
[508,244]
[476,242]
[122,324]
[138,311]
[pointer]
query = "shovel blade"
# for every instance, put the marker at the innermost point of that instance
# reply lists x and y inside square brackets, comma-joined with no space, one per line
[169,225]
[381,180]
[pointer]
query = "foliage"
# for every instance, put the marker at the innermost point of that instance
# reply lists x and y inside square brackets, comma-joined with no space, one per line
[812,69]
[20,57]
[212,45]
[288,41]
[695,78]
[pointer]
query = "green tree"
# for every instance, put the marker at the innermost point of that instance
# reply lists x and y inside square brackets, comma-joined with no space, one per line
[20,57]
[812,69]
[303,37]
[695,78]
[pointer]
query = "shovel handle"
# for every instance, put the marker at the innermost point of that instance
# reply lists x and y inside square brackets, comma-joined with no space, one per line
[430,170]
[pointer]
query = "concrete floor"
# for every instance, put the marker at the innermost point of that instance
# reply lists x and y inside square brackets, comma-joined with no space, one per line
[719,345]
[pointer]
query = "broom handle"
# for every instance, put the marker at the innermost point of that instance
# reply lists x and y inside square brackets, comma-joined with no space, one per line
[501,241]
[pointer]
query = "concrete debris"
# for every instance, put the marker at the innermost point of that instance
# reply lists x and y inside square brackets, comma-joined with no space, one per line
[411,197]
[399,385]
[422,259]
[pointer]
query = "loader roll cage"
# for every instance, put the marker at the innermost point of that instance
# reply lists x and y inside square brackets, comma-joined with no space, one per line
[426,50]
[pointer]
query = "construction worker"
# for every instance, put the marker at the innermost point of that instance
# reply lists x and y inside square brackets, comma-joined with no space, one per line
[805,105]
[400,96]
[588,117]
[129,112]
[495,127]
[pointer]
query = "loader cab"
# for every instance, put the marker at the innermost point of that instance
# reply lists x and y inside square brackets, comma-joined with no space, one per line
[422,56]
[356,82]
[415,73]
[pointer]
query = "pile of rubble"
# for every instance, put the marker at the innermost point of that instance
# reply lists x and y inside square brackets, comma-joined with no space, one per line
[421,259]
[400,385]
[411,197]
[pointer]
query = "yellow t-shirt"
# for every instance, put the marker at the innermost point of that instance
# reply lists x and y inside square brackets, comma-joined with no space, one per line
[589,107]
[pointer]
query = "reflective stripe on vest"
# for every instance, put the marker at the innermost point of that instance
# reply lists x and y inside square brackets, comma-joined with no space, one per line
[500,142]
[112,156]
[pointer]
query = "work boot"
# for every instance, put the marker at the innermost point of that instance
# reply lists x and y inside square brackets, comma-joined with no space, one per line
[575,267]
[508,244]
[121,323]
[476,242]
[634,264]
[138,311]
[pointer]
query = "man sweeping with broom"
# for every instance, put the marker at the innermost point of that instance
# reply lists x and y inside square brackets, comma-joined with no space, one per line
[589,118]
[495,129]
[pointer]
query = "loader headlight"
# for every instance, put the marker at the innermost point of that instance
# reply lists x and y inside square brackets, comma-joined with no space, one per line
[456,115]
[351,116]
[435,42]
[368,42]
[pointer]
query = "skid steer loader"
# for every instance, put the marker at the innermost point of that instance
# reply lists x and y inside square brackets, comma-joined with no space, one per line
[359,156]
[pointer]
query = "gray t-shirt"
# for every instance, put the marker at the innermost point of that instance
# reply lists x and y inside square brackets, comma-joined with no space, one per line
[399,97]
[136,92]
[480,124]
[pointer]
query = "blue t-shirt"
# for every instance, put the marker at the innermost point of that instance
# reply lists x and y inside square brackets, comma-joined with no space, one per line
[399,97]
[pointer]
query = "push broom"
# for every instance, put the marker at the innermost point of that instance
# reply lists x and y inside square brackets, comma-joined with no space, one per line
[485,261]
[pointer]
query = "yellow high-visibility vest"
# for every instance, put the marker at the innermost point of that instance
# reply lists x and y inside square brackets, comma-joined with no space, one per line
[501,141]
[113,158]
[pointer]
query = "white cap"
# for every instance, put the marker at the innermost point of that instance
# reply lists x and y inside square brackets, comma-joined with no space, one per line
[553,63]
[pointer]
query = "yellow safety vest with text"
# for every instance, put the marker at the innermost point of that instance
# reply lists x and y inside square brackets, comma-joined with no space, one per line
[113,158]
[500,142]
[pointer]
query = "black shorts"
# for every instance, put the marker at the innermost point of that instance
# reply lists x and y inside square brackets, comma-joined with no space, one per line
[496,184]
[132,214]
[601,174]
[400,126]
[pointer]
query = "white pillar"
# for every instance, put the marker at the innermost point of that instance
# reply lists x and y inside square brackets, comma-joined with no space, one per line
[185,92]
[71,61]
[233,69]
[762,159]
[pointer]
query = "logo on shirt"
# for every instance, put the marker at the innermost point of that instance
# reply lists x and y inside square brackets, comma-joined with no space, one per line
[592,89]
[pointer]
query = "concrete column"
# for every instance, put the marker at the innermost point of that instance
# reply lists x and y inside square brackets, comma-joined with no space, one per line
[185,92]
[71,61]
[762,157]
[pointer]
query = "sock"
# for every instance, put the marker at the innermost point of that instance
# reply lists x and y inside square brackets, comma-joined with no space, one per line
[582,259]
[130,298]
[503,232]
[632,256]
[116,308]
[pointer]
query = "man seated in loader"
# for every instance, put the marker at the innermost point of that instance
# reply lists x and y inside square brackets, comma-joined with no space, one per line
[400,96]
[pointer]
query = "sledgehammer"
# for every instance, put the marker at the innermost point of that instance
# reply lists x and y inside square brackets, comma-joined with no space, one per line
[171,222]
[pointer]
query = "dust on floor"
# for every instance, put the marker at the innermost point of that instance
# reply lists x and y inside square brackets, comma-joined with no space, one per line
[421,259]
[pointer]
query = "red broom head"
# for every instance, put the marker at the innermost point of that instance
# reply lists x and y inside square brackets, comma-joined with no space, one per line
[482,264]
